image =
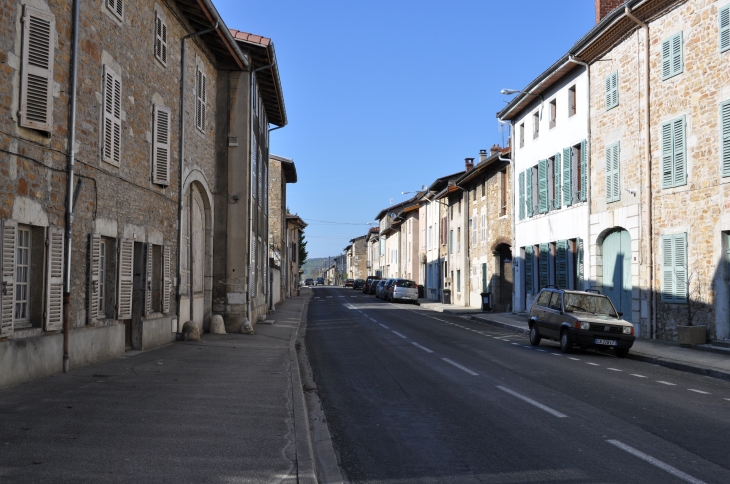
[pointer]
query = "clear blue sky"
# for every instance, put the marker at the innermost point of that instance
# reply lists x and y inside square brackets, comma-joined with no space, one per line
[385,96]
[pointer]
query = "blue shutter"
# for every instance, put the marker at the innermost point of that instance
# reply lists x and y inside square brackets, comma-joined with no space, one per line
[529,279]
[672,56]
[725,136]
[530,207]
[521,182]
[583,171]
[680,152]
[561,265]
[674,268]
[557,193]
[542,186]
[667,156]
[544,269]
[579,265]
[725,28]
[613,173]
[567,177]
[612,90]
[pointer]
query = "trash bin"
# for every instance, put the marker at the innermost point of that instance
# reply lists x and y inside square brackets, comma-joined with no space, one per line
[486,301]
[421,291]
[446,298]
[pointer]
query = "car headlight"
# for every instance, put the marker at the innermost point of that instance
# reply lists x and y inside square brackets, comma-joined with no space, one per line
[585,325]
[628,330]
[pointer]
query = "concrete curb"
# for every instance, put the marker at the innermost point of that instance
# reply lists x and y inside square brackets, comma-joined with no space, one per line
[671,364]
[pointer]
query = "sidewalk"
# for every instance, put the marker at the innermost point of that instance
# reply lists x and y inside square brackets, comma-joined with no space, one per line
[446,308]
[228,408]
[700,359]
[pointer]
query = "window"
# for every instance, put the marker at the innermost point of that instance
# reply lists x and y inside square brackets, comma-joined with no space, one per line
[674,169]
[484,189]
[555,302]
[571,101]
[544,298]
[201,97]
[535,125]
[451,212]
[725,28]
[575,187]
[503,193]
[458,239]
[36,81]
[112,118]
[460,206]
[22,274]
[522,135]
[672,56]
[542,186]
[553,113]
[430,243]
[483,224]
[725,137]
[613,173]
[116,7]
[160,39]
[265,184]
[443,230]
[612,90]
[674,268]
[161,146]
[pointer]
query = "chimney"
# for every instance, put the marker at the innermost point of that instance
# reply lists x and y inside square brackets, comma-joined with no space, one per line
[604,7]
[483,155]
[494,150]
[469,163]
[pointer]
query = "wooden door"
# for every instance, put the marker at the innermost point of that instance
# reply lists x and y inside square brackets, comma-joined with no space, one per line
[617,271]
[197,249]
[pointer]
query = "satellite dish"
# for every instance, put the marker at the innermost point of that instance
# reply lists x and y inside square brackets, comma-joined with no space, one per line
[393,215]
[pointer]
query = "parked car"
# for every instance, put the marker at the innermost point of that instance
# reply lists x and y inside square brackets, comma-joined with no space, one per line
[368,283]
[379,289]
[348,282]
[320,281]
[403,290]
[373,286]
[309,281]
[358,284]
[387,287]
[586,319]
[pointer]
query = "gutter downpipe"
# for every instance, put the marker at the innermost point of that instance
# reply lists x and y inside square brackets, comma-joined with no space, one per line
[508,160]
[571,58]
[181,164]
[647,179]
[70,198]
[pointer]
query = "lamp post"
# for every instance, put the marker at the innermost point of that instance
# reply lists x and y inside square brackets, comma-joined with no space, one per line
[509,92]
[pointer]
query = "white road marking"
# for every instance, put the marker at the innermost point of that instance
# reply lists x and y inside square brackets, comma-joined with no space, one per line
[529,346]
[422,347]
[396,332]
[637,376]
[533,402]
[542,351]
[592,364]
[516,344]
[699,391]
[666,383]
[371,319]
[727,399]
[613,369]
[656,462]
[463,368]
[381,324]
[556,354]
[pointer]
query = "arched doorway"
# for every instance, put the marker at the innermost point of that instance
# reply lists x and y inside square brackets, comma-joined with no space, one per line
[504,259]
[617,270]
[194,264]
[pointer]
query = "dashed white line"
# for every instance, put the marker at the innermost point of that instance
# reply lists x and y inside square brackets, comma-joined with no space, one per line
[463,368]
[381,324]
[371,319]
[397,333]
[574,359]
[613,369]
[533,402]
[666,383]
[656,462]
[527,346]
[543,351]
[592,364]
[637,376]
[422,347]
[699,391]
[516,344]
[556,354]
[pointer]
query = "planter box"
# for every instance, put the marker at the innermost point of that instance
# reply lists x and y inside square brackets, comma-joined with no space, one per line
[692,335]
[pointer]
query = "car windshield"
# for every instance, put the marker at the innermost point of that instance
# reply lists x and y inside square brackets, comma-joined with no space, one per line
[406,283]
[589,303]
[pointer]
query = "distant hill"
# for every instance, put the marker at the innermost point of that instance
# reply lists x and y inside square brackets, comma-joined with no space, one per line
[314,266]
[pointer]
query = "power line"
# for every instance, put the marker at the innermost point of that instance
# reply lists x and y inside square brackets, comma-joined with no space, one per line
[337,223]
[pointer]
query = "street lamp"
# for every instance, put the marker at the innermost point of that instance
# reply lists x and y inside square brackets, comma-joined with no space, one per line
[509,92]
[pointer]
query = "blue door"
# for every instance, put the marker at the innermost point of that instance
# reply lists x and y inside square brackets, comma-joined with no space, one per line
[617,271]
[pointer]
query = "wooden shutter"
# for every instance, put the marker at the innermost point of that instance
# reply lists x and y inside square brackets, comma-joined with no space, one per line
[161,146]
[166,279]
[149,261]
[725,136]
[521,182]
[613,173]
[725,28]
[542,186]
[54,279]
[112,118]
[94,274]
[36,77]
[8,233]
[444,228]
[530,206]
[561,264]
[125,278]
[612,90]
[672,56]
[667,156]
[201,97]
[529,279]
[474,230]
[116,7]
[544,267]
[557,191]
[583,195]
[567,176]
[674,269]
[579,264]
[679,152]
[484,227]
[160,39]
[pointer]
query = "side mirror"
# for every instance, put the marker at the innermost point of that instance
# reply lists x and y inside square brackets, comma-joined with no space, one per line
[620,314]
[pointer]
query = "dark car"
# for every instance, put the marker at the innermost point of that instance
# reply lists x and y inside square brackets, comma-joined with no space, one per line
[358,284]
[320,281]
[348,282]
[387,289]
[368,283]
[586,319]
[309,281]
[373,286]
[379,288]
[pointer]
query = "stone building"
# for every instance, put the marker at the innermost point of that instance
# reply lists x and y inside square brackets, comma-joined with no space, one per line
[281,171]
[390,239]
[294,227]
[373,262]
[357,263]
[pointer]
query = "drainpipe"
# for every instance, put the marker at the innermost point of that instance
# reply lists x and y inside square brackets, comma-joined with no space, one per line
[514,178]
[181,164]
[70,198]
[572,58]
[647,179]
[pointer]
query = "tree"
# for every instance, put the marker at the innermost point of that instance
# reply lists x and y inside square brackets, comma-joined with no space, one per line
[302,249]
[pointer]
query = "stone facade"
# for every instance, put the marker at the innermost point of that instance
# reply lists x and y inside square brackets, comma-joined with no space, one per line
[357,265]
[281,172]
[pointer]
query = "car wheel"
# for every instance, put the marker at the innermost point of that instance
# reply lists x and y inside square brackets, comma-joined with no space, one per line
[566,346]
[534,336]
[622,352]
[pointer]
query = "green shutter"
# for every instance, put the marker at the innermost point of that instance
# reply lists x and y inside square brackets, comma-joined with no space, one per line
[612,90]
[542,186]
[725,137]
[561,265]
[613,173]
[543,274]
[674,268]
[667,156]
[725,28]
[530,207]
[567,176]
[529,279]
[557,193]
[680,152]
[583,171]
[579,265]
[484,277]
[672,56]
[521,182]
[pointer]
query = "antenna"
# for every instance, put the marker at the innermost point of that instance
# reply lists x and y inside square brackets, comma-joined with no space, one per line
[391,201]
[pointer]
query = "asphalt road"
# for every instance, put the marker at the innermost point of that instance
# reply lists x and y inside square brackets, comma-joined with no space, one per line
[415,396]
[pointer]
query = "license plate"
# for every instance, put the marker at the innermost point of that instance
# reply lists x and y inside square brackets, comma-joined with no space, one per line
[607,342]
[406,297]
